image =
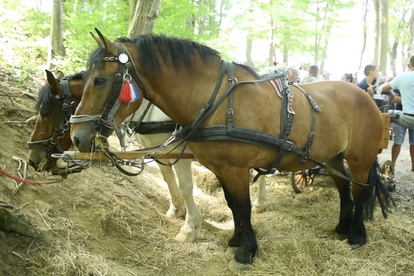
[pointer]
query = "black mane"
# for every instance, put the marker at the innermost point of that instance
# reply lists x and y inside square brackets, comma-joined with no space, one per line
[174,51]
[47,103]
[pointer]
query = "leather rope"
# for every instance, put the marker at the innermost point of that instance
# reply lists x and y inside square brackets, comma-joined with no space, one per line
[28,181]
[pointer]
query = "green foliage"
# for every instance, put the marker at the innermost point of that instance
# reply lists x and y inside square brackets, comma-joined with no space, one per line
[80,18]
[301,26]
[36,23]
[175,18]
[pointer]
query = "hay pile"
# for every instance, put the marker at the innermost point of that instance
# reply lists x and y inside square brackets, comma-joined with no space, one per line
[100,222]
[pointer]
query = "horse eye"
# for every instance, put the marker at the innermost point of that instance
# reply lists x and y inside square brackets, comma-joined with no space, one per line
[98,81]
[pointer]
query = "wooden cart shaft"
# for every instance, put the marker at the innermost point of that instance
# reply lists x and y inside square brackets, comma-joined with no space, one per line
[130,155]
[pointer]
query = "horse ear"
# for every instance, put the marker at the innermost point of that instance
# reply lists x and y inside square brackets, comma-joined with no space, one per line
[97,40]
[106,43]
[53,82]
[59,75]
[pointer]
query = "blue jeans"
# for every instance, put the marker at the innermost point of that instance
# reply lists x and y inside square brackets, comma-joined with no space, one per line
[399,134]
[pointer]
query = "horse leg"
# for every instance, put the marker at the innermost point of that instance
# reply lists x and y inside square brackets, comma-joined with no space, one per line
[235,183]
[177,205]
[361,195]
[192,224]
[259,203]
[235,241]
[346,212]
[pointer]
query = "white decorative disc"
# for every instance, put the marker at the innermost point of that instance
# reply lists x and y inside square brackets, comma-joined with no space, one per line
[123,58]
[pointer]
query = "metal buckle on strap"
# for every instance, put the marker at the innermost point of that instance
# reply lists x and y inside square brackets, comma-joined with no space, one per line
[291,145]
[110,58]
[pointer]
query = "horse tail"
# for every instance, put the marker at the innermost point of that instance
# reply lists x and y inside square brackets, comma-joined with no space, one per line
[377,189]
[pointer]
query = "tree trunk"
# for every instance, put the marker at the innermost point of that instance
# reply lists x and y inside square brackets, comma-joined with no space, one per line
[384,37]
[145,15]
[272,52]
[364,43]
[285,54]
[249,38]
[249,46]
[56,34]
[377,30]
[133,4]
[393,57]
[409,46]
[272,47]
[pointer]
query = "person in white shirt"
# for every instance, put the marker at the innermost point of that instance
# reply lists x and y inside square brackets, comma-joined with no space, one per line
[313,75]
[405,84]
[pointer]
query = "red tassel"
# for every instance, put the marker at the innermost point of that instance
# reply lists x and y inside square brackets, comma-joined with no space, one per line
[125,96]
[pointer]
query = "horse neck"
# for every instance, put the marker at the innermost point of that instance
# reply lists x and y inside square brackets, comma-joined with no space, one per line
[154,114]
[181,93]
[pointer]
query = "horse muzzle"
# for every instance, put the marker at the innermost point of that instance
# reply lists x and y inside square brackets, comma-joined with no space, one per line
[82,136]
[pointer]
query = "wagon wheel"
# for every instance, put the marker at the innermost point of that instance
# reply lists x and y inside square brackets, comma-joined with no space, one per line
[387,174]
[301,180]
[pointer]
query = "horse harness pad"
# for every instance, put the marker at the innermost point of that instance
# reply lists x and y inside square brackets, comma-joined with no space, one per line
[151,127]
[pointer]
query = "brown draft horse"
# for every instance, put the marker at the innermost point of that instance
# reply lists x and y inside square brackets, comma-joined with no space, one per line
[51,132]
[179,75]
[43,143]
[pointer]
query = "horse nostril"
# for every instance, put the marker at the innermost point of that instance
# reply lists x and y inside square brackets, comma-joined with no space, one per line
[76,141]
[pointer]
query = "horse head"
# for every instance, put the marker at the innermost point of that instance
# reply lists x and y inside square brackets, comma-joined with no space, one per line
[56,103]
[111,94]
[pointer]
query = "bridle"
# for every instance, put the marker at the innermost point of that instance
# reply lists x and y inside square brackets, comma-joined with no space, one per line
[126,71]
[68,108]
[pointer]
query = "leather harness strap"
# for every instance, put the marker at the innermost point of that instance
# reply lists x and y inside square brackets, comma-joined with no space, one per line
[193,131]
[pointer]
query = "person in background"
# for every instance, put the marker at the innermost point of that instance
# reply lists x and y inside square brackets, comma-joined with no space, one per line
[355,81]
[325,76]
[313,74]
[371,75]
[405,84]
[294,76]
[348,77]
[399,134]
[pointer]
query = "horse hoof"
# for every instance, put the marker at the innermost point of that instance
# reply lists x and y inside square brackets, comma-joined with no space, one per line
[175,213]
[356,241]
[187,236]
[258,209]
[231,251]
[342,231]
[236,267]
[391,187]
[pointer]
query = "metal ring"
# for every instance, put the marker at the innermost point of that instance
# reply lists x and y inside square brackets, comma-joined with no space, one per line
[127,77]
